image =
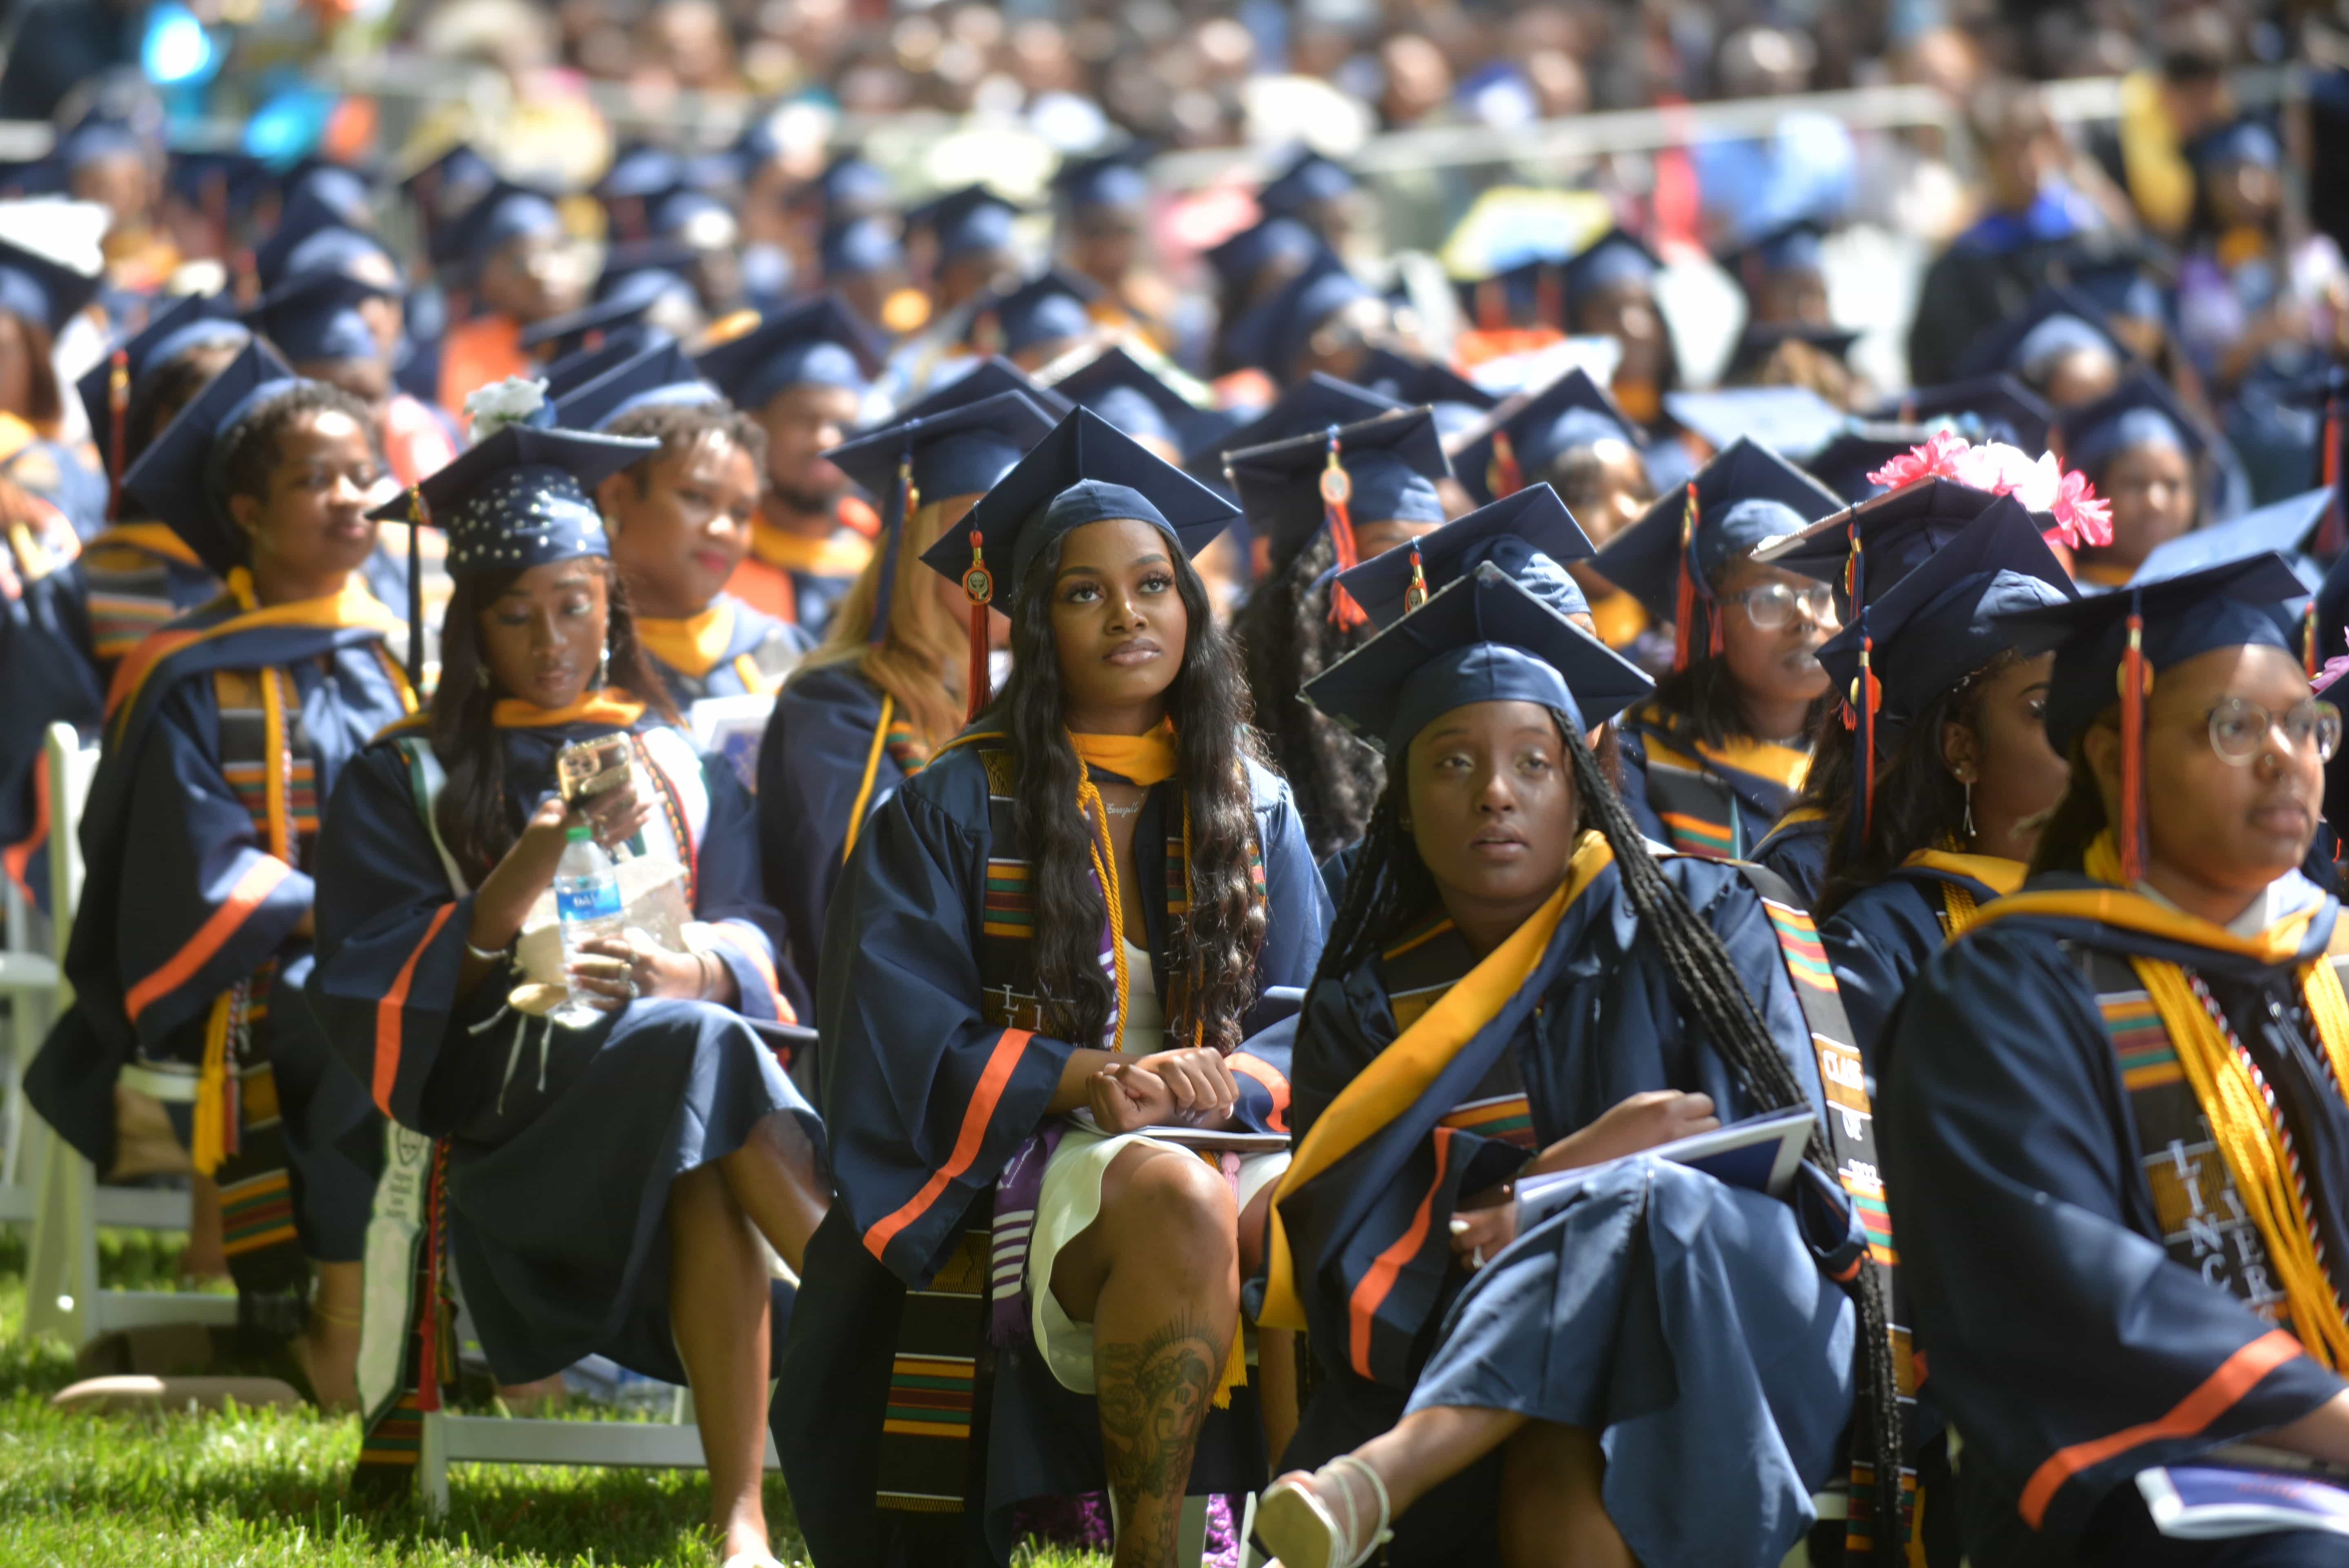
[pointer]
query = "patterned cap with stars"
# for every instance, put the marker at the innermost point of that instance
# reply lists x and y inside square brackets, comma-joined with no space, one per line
[521,499]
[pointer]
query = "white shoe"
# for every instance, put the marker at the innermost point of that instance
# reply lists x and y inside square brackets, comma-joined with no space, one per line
[1304,1533]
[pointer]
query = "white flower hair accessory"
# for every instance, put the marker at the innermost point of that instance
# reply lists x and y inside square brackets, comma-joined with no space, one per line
[513,401]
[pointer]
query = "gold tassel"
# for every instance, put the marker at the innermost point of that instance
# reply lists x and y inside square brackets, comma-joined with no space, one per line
[210,1144]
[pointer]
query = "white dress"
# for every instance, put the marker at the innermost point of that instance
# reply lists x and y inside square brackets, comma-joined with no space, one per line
[1071,1195]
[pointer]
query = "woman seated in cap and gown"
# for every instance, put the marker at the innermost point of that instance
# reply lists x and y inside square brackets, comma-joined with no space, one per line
[1062,928]
[1964,776]
[510,245]
[140,573]
[652,1081]
[1327,501]
[39,298]
[1719,753]
[224,731]
[2116,1151]
[803,375]
[679,523]
[1515,985]
[888,686]
[2143,452]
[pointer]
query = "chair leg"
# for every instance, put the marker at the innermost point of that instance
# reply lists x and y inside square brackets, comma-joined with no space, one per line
[432,1466]
[61,1275]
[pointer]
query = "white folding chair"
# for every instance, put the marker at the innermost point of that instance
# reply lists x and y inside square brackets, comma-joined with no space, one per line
[61,1291]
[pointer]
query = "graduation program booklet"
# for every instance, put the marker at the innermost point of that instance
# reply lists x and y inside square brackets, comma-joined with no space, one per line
[1759,1154]
[2217,1502]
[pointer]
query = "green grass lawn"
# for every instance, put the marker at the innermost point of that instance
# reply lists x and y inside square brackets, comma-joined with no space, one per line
[262,1489]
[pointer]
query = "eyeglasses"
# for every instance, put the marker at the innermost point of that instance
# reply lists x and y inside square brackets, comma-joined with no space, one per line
[2240,728]
[1771,604]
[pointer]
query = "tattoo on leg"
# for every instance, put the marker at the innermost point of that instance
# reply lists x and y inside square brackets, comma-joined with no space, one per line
[1154,1394]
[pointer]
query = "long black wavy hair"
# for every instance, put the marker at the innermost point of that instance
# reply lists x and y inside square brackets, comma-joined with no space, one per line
[1286,638]
[1920,803]
[476,820]
[1215,948]
[1392,887]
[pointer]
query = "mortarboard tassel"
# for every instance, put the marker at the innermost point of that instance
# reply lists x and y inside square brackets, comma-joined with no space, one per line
[2136,680]
[2335,532]
[1415,594]
[117,416]
[1684,604]
[979,583]
[902,506]
[1337,490]
[2309,661]
[1502,476]
[1866,695]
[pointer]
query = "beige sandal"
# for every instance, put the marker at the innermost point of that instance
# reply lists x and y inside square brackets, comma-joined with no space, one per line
[1303,1533]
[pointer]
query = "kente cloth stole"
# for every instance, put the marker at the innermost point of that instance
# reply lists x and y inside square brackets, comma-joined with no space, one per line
[2207,1224]
[1851,1144]
[1419,967]
[129,596]
[1700,811]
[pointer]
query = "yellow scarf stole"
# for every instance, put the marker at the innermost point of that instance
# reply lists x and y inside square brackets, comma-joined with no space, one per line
[2249,1134]
[1147,759]
[1996,872]
[1399,1075]
[612,705]
[692,645]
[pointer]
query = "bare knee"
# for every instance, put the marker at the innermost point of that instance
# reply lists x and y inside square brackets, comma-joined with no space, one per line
[1173,1210]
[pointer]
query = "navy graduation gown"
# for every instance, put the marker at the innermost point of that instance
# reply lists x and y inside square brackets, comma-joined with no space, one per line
[927,1099]
[832,756]
[2067,1346]
[749,658]
[1591,1021]
[562,1142]
[49,678]
[183,898]
[1883,934]
[1796,849]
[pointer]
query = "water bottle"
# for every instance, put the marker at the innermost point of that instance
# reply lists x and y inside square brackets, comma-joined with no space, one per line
[587,906]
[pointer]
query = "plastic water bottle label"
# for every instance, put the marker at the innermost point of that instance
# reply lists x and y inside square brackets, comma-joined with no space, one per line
[586,898]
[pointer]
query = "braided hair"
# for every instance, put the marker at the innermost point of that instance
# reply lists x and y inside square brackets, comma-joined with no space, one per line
[1286,639]
[1391,886]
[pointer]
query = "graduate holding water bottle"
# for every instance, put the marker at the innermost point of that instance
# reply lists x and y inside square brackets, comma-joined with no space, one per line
[614,1158]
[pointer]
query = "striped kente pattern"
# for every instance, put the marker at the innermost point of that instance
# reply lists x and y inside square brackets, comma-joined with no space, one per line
[1508,1118]
[251,783]
[1798,940]
[2147,1057]
[257,1213]
[1007,906]
[1696,836]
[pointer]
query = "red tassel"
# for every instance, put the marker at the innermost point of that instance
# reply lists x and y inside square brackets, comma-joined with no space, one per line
[1337,490]
[2308,639]
[1685,606]
[428,1350]
[2335,532]
[978,582]
[1414,592]
[1502,476]
[2133,681]
[118,409]
[1867,694]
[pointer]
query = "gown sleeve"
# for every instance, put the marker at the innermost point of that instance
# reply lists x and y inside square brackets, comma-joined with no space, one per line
[1876,945]
[1631,783]
[924,1099]
[728,895]
[811,770]
[2062,1341]
[204,903]
[391,939]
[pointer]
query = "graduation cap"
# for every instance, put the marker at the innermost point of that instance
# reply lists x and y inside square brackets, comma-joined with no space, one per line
[1309,178]
[1791,421]
[506,212]
[1615,258]
[860,248]
[1109,179]
[522,498]
[1866,548]
[1984,408]
[2138,631]
[36,289]
[1053,305]
[1757,341]
[310,238]
[2054,321]
[1527,293]
[1745,495]
[1789,248]
[101,135]
[660,375]
[984,379]
[347,192]
[1241,257]
[965,222]
[639,171]
[1381,469]
[2142,411]
[1861,449]
[1316,403]
[622,298]
[107,389]
[2118,283]
[1407,380]
[571,371]
[449,184]
[2284,528]
[1084,472]
[173,478]
[821,341]
[1272,336]
[1129,395]
[1923,634]
[1483,639]
[956,451]
[1530,535]
[700,218]
[1521,438]
[316,316]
